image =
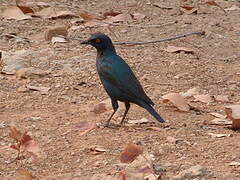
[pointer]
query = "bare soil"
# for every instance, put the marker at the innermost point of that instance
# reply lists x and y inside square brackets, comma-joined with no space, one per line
[75,89]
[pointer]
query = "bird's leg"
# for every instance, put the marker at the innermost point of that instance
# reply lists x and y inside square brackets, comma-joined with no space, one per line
[127,105]
[115,107]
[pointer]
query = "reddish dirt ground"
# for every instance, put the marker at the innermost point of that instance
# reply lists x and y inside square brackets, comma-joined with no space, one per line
[75,89]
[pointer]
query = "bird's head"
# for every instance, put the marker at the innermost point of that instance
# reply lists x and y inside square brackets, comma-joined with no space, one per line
[100,41]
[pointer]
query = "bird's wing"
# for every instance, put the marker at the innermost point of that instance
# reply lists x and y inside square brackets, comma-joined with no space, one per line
[116,71]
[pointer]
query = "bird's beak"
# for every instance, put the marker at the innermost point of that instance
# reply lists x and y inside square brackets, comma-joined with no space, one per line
[85,42]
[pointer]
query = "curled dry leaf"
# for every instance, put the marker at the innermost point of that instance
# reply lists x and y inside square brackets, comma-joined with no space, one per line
[173,49]
[85,127]
[23,5]
[130,153]
[30,146]
[111,13]
[15,134]
[203,98]
[88,17]
[51,12]
[187,7]
[13,12]
[177,100]
[233,113]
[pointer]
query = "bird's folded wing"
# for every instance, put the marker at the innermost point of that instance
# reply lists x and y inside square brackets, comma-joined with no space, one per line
[119,74]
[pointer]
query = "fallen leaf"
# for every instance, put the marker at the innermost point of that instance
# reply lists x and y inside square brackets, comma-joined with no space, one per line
[139,121]
[234,163]
[177,100]
[111,13]
[30,146]
[213,3]
[173,49]
[232,8]
[219,121]
[22,4]
[85,127]
[233,113]
[119,18]
[221,98]
[219,135]
[15,134]
[42,90]
[187,7]
[24,174]
[51,12]
[203,98]
[97,150]
[138,16]
[88,17]
[55,31]
[191,92]
[100,108]
[218,115]
[130,153]
[155,128]
[162,6]
[58,40]
[13,12]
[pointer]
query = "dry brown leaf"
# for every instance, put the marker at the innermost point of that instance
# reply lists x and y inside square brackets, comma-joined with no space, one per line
[23,174]
[42,90]
[119,18]
[221,98]
[100,108]
[88,17]
[177,100]
[23,5]
[97,150]
[220,121]
[85,127]
[233,113]
[187,7]
[138,16]
[130,153]
[111,13]
[51,12]
[173,49]
[58,40]
[203,98]
[213,3]
[162,6]
[15,134]
[13,12]
[155,128]
[30,145]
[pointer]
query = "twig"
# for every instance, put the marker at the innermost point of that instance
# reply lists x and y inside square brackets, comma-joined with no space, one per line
[161,40]
[147,42]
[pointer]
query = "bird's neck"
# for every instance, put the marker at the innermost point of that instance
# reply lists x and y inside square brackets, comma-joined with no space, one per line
[105,52]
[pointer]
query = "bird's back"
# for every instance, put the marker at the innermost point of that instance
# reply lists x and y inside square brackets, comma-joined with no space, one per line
[115,73]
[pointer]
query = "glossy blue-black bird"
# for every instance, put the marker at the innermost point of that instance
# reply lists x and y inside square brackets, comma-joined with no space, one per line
[117,77]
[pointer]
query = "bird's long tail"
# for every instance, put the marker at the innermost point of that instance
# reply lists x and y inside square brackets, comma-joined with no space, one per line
[152,111]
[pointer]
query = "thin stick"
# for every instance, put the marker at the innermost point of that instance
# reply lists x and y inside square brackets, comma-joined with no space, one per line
[147,42]
[161,40]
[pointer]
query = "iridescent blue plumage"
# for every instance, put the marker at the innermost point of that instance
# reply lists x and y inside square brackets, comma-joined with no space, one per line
[117,77]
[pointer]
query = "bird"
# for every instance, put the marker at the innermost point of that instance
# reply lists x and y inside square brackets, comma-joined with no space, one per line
[117,78]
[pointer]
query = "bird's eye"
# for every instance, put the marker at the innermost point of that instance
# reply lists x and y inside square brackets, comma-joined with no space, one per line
[97,40]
